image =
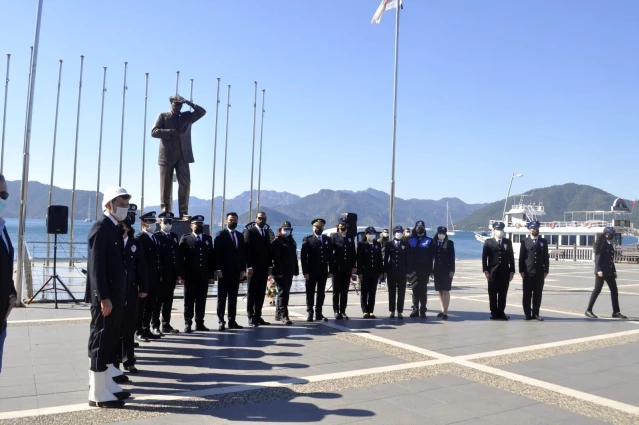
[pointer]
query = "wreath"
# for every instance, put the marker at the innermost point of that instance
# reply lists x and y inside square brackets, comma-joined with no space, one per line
[271,290]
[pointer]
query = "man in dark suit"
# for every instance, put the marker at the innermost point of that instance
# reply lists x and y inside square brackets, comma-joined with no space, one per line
[533,268]
[396,257]
[173,128]
[498,264]
[316,257]
[343,266]
[7,288]
[230,262]
[257,240]
[421,263]
[106,291]
[146,306]
[197,256]
[172,273]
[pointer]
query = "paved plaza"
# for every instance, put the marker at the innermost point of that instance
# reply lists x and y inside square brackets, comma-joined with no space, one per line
[467,370]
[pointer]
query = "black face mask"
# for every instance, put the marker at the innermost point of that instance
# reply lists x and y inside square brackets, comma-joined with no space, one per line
[232,226]
[343,229]
[610,236]
[534,232]
[199,229]
[317,230]
[261,221]
[420,230]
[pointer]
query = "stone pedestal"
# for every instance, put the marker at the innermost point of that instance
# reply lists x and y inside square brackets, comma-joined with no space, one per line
[183,227]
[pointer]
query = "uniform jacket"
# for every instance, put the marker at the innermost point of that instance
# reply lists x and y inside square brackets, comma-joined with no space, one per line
[605,260]
[534,259]
[443,258]
[284,254]
[135,265]
[397,257]
[106,275]
[7,287]
[369,259]
[315,257]
[231,260]
[151,251]
[344,257]
[258,247]
[175,146]
[170,256]
[498,261]
[198,258]
[421,255]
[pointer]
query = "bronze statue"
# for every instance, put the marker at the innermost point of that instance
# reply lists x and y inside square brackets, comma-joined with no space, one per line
[173,128]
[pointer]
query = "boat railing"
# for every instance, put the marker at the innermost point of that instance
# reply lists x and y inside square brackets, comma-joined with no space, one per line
[570,253]
[534,208]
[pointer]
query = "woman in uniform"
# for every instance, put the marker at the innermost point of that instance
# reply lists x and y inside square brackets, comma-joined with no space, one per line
[285,266]
[370,268]
[443,268]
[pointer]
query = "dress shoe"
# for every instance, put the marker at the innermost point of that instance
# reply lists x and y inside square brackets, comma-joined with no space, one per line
[528,317]
[618,315]
[590,314]
[338,316]
[366,316]
[233,325]
[422,315]
[201,328]
[504,317]
[221,326]
[392,315]
[157,332]
[252,323]
[150,335]
[538,318]
[286,321]
[414,314]
[168,329]
[440,314]
[493,317]
[141,338]
[344,316]
[187,329]
[320,316]
[445,316]
[120,379]
[131,369]
[262,322]
[136,345]
[371,316]
[400,316]
[309,318]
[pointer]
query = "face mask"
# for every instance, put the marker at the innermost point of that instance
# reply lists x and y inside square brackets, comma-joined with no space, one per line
[398,235]
[232,226]
[441,237]
[499,234]
[120,213]
[286,232]
[610,236]
[342,229]
[166,228]
[420,230]
[534,232]
[317,230]
[385,234]
[3,205]
[261,222]
[199,229]
[370,238]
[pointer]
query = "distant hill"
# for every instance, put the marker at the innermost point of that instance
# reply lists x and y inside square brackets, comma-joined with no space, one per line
[556,201]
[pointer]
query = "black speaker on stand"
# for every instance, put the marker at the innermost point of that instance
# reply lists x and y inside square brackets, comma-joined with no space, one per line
[351,219]
[57,224]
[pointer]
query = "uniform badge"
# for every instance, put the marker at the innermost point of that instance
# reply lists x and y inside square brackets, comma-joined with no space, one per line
[325,242]
[505,246]
[175,240]
[403,247]
[206,242]
[541,244]
[349,239]
[134,248]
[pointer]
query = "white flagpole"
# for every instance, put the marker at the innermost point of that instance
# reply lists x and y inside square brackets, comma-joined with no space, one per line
[124,89]
[24,185]
[392,190]
[259,174]
[217,108]
[146,97]
[253,153]
[55,136]
[75,163]
[4,112]
[98,210]
[226,146]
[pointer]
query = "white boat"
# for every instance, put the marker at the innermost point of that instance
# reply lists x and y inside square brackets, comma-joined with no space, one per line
[451,230]
[88,219]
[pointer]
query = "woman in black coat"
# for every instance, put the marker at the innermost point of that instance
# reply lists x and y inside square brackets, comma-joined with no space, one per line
[443,268]
[370,268]
[285,266]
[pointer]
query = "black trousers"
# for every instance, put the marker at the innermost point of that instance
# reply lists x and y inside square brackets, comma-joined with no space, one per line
[497,294]
[420,294]
[156,306]
[256,293]
[227,288]
[183,175]
[368,290]
[195,293]
[283,285]
[312,284]
[614,294]
[341,283]
[104,337]
[396,290]
[167,303]
[129,320]
[533,288]
[143,306]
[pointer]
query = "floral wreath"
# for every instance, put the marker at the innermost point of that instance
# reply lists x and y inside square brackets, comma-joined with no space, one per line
[271,291]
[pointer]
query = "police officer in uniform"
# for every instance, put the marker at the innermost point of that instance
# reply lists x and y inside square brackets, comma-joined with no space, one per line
[171,271]
[396,256]
[421,263]
[343,266]
[316,258]
[498,264]
[370,269]
[443,268]
[196,250]
[533,268]
[605,271]
[285,266]
[150,247]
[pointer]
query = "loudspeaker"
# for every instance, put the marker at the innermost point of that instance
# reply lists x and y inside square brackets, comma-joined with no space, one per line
[57,219]
[351,219]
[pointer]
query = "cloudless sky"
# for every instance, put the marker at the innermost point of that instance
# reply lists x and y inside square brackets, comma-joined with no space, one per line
[547,88]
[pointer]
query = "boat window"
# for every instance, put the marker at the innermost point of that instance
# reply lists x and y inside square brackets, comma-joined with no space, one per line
[553,239]
[572,239]
[564,239]
[516,238]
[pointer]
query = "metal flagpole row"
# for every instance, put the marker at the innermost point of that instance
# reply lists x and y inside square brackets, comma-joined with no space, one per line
[217,108]
[98,210]
[259,174]
[177,81]
[146,97]
[26,154]
[253,152]
[55,136]
[392,189]
[191,96]
[124,89]
[226,145]
[75,163]
[4,112]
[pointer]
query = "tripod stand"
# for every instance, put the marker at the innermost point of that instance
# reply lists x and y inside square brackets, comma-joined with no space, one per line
[54,278]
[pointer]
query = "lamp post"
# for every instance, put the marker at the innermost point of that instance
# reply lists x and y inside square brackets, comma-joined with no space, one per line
[513,177]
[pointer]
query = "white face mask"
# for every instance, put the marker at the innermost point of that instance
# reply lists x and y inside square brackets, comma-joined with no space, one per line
[441,237]
[385,234]
[119,213]
[286,232]
[399,235]
[166,228]
[3,205]
[499,234]
[370,238]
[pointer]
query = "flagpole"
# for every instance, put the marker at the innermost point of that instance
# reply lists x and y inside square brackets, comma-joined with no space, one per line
[4,112]
[392,189]
[24,185]
[146,97]
[191,95]
[226,146]
[55,136]
[75,164]
[217,108]
[124,88]
[253,152]
[259,174]
[97,187]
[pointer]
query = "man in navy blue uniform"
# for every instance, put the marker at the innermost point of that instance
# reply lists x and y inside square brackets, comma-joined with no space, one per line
[106,291]
[498,264]
[343,266]
[396,257]
[533,268]
[316,257]
[421,263]
[150,246]
[172,272]
[230,262]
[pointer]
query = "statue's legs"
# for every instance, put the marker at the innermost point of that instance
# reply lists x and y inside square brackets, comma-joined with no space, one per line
[166,186]
[184,185]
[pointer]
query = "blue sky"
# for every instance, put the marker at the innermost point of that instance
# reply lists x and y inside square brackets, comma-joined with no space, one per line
[547,88]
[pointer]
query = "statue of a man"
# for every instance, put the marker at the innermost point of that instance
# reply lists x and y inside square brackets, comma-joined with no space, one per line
[173,128]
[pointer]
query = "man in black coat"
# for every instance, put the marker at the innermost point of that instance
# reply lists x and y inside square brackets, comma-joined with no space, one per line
[172,273]
[257,240]
[7,289]
[533,268]
[498,264]
[230,262]
[197,256]
[421,263]
[396,258]
[316,257]
[106,291]
[149,244]
[343,266]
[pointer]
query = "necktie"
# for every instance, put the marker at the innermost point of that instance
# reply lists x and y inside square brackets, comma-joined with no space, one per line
[500,244]
[234,239]
[320,239]
[262,232]
[198,240]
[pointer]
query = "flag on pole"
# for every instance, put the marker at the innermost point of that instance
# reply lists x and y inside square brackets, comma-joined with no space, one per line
[383,7]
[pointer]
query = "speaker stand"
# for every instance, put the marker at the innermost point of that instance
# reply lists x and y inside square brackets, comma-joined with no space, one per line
[54,278]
